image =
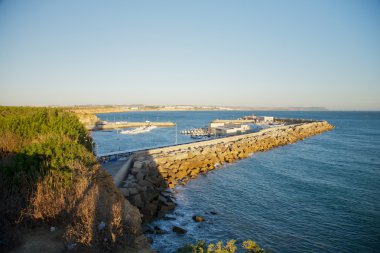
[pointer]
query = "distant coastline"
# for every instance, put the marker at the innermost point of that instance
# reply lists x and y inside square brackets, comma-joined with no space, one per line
[98,109]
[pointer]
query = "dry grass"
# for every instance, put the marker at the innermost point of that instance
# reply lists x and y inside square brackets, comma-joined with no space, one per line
[10,142]
[91,199]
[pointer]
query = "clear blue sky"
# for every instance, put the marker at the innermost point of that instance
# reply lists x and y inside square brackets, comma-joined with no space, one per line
[239,53]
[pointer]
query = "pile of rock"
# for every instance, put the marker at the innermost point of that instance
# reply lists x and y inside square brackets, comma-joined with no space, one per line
[146,189]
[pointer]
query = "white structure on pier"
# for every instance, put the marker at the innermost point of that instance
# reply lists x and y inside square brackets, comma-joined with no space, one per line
[229,129]
[265,118]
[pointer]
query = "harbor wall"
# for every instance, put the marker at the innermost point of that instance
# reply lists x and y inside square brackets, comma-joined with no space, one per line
[152,174]
[111,125]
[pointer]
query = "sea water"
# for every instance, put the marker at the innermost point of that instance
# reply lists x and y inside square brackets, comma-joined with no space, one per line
[317,195]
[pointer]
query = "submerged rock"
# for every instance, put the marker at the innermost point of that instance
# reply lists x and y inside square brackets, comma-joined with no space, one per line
[198,218]
[159,231]
[179,230]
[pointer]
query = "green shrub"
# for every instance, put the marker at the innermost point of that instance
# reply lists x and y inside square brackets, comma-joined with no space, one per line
[38,140]
[201,247]
[252,247]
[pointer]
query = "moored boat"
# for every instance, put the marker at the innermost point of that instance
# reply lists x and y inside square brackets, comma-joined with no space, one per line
[139,130]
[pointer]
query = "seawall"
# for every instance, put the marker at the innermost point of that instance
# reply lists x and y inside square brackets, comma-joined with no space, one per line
[151,174]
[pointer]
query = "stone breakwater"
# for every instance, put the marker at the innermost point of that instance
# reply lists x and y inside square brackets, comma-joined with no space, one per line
[152,174]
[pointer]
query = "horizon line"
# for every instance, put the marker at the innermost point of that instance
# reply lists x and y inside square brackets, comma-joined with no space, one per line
[221,107]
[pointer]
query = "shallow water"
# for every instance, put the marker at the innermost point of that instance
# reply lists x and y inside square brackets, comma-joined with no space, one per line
[321,194]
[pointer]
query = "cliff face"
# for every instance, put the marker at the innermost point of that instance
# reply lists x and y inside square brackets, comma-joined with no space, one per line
[50,178]
[88,120]
[158,169]
[96,109]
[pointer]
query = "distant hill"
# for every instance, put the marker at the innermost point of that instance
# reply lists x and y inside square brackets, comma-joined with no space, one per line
[279,108]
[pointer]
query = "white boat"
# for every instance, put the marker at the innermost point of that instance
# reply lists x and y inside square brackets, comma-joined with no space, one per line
[139,130]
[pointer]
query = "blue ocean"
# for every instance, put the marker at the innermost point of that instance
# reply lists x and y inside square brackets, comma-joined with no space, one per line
[317,195]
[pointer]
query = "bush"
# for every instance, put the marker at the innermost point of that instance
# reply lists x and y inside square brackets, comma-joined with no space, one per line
[37,140]
[201,247]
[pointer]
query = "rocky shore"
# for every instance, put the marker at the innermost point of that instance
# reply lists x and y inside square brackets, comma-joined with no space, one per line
[152,174]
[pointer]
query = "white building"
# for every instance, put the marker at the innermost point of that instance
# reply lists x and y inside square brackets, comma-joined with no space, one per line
[229,129]
[214,125]
[265,118]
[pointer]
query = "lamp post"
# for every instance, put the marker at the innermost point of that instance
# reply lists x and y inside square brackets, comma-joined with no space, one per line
[176,137]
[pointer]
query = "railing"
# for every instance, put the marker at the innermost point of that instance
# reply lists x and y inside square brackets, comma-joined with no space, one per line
[114,156]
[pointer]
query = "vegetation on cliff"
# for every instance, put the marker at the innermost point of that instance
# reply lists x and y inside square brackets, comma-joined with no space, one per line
[48,175]
[39,140]
[248,246]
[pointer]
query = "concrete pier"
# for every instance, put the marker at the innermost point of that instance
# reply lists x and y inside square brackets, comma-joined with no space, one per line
[149,174]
